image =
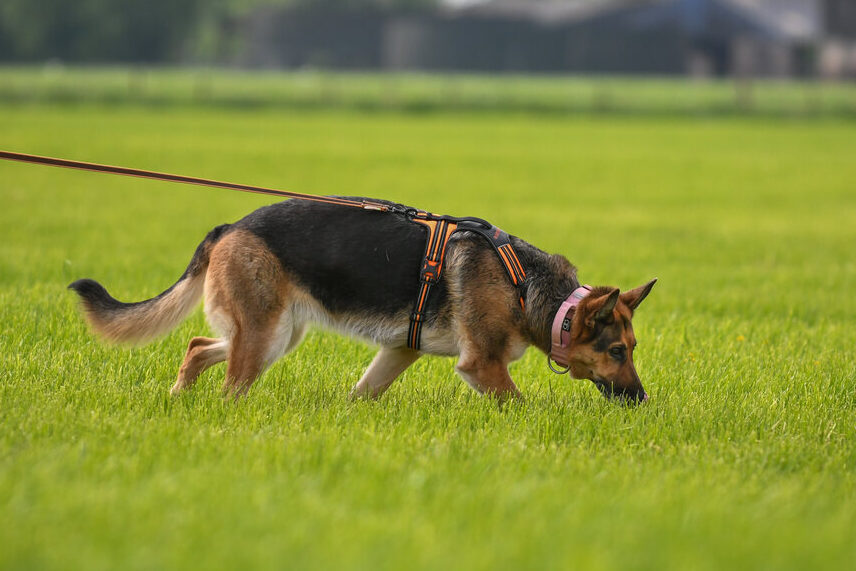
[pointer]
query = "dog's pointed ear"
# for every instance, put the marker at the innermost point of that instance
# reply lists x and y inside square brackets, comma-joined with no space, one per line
[600,310]
[634,297]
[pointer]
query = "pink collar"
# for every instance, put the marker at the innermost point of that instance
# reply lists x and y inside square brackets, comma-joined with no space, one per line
[561,334]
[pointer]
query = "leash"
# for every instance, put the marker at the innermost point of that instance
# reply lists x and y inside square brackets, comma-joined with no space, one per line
[440,228]
[154,175]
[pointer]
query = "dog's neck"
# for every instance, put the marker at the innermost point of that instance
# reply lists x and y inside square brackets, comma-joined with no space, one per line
[550,279]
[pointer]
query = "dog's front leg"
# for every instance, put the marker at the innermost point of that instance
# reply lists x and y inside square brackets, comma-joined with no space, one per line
[487,377]
[384,369]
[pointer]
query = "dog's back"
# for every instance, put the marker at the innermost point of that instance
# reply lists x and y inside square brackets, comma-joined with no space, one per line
[350,260]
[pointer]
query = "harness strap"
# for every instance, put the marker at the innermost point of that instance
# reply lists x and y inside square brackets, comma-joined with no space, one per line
[440,230]
[501,243]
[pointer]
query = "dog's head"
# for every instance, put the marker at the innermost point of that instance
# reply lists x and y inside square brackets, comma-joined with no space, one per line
[602,341]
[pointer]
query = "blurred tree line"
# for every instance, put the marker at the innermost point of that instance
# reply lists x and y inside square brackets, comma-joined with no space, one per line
[141,31]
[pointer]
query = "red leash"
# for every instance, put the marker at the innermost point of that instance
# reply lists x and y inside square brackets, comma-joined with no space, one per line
[94,167]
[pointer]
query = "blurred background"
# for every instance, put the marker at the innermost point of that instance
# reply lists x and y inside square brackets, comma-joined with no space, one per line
[699,38]
[708,143]
[710,41]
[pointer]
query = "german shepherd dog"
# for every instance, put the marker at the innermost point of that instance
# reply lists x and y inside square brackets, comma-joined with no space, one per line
[285,266]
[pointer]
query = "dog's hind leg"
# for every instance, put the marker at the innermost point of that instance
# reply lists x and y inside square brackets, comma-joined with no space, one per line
[246,362]
[202,352]
[387,365]
[251,302]
[254,348]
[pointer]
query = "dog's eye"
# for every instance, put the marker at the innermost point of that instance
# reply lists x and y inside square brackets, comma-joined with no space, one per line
[618,352]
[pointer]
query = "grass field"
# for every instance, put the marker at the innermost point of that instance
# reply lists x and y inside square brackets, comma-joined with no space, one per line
[743,458]
[419,93]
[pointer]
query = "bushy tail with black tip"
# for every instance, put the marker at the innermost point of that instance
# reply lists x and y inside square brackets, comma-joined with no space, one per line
[139,322]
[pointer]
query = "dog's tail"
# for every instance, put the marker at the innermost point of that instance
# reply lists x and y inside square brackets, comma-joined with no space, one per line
[140,322]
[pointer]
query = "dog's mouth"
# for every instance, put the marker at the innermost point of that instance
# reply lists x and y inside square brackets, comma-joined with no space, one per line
[631,396]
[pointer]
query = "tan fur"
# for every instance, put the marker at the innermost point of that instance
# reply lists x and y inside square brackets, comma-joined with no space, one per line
[247,292]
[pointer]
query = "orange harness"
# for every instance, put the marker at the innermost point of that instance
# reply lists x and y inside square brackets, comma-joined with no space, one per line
[440,229]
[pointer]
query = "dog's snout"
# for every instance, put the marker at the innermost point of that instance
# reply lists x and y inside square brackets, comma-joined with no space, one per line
[610,390]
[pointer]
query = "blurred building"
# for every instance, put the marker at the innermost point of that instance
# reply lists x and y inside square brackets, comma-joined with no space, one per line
[840,18]
[771,38]
[837,55]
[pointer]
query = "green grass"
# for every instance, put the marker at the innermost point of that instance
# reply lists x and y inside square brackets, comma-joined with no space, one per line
[743,458]
[418,93]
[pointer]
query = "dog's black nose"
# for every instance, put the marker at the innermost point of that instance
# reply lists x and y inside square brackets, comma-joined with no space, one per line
[631,395]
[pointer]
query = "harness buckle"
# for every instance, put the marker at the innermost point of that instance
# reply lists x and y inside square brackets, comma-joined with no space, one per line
[430,271]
